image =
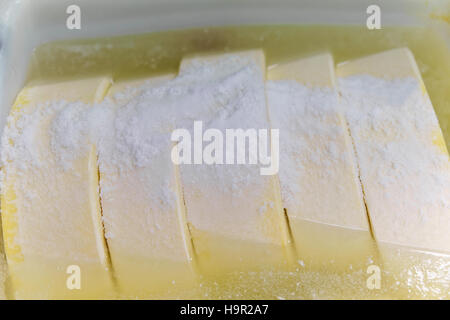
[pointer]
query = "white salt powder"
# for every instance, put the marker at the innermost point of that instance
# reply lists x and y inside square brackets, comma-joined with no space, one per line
[59,127]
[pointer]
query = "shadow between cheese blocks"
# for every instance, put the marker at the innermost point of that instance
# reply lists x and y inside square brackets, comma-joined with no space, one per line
[318,175]
[233,212]
[143,214]
[50,210]
[405,170]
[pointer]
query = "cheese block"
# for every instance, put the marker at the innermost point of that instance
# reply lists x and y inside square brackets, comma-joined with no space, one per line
[144,217]
[233,211]
[405,168]
[50,206]
[318,175]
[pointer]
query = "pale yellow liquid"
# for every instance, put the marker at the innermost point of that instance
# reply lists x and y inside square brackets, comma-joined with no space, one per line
[156,53]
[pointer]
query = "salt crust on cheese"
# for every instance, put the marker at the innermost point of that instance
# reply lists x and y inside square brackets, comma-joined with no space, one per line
[235,193]
[307,116]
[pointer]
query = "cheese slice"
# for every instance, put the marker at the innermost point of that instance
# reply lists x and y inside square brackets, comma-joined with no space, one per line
[318,174]
[233,211]
[51,213]
[143,214]
[405,168]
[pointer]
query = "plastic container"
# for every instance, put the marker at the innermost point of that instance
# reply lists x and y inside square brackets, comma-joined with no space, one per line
[27,24]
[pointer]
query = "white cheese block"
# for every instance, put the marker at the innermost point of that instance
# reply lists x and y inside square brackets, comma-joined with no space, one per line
[405,168]
[50,203]
[318,175]
[234,212]
[143,215]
